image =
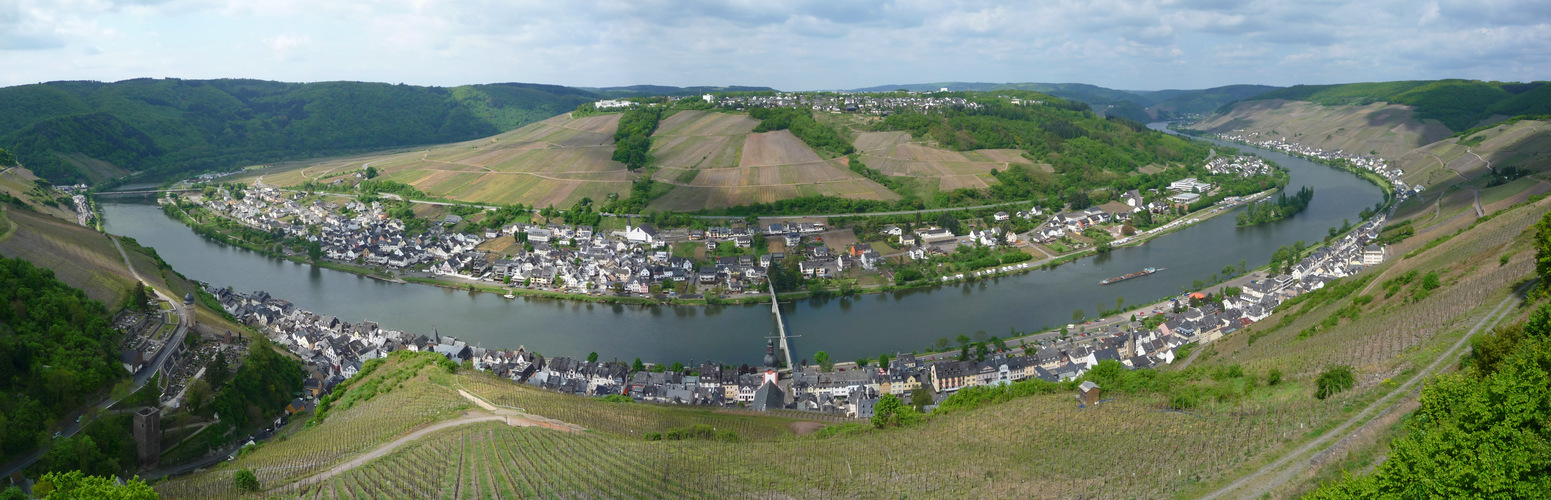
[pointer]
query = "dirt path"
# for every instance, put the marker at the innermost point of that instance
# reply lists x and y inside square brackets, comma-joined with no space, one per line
[1262,481]
[491,413]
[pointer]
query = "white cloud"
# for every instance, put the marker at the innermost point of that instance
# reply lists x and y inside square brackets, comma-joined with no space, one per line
[792,44]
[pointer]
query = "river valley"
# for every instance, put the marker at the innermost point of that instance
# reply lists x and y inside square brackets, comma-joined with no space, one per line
[847,328]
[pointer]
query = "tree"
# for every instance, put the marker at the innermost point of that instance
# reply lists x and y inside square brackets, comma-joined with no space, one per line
[677,367]
[637,365]
[921,398]
[139,299]
[371,172]
[862,362]
[1333,380]
[943,343]
[822,359]
[592,357]
[883,361]
[246,481]
[889,411]
[314,251]
[198,394]
[964,340]
[75,484]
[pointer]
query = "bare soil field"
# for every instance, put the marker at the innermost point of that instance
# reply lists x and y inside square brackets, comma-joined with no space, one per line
[776,148]
[553,162]
[893,153]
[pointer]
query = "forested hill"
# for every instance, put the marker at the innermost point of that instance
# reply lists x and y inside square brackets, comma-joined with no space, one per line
[1086,151]
[1459,104]
[56,347]
[1138,105]
[91,131]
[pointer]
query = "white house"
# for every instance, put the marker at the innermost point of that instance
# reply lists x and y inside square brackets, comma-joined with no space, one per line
[641,234]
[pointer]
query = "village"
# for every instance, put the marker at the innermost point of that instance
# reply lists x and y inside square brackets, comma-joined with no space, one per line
[640,260]
[335,350]
[1373,164]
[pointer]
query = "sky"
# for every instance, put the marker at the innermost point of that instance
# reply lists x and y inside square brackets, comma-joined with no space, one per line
[785,44]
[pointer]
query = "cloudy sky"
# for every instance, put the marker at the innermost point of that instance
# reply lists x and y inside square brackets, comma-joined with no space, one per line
[786,44]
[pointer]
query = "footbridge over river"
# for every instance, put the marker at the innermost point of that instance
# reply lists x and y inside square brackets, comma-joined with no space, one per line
[785,344]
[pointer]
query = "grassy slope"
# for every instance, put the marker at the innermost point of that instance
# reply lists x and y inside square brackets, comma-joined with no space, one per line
[715,161]
[86,259]
[1033,446]
[67,130]
[1390,129]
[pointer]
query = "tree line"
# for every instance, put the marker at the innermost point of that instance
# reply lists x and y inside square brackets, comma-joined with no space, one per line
[633,139]
[172,126]
[1274,210]
[801,124]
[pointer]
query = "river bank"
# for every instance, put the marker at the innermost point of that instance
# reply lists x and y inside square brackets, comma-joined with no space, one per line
[884,320]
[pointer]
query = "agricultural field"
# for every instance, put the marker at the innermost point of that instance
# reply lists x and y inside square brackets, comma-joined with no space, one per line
[896,154]
[1390,129]
[554,162]
[79,256]
[1382,324]
[422,398]
[17,182]
[1525,145]
[691,140]
[1167,452]
[770,166]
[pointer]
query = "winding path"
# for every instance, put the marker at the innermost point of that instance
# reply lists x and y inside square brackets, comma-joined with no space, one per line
[1267,478]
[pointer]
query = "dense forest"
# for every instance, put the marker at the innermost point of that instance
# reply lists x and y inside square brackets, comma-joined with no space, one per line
[801,124]
[172,126]
[1459,104]
[1274,210]
[57,347]
[633,139]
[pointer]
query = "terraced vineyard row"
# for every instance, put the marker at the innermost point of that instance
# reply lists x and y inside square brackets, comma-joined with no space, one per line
[625,419]
[1126,447]
[360,428]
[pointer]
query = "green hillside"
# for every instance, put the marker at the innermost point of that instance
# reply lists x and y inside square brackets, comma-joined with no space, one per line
[1223,424]
[1086,151]
[1183,102]
[91,131]
[1139,105]
[1459,104]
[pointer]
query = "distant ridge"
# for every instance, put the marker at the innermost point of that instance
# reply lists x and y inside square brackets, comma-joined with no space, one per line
[1139,105]
[87,131]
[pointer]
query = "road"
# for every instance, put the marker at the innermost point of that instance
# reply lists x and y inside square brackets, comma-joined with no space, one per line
[1261,480]
[68,426]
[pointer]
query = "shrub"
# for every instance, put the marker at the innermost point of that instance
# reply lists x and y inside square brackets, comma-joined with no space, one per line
[1335,379]
[246,481]
[1275,377]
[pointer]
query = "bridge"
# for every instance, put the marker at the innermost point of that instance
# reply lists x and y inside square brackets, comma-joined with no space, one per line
[145,192]
[786,346]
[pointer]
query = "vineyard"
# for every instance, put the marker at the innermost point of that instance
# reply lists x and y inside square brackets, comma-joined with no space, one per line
[625,419]
[1069,451]
[1393,332]
[343,434]
[1385,324]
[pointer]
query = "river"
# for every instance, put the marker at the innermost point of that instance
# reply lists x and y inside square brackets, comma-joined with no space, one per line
[847,328]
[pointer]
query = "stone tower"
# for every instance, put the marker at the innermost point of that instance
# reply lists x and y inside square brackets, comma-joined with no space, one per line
[148,435]
[188,308]
[770,357]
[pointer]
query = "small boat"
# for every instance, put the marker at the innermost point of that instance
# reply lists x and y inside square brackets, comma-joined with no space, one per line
[509,295]
[1137,274]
